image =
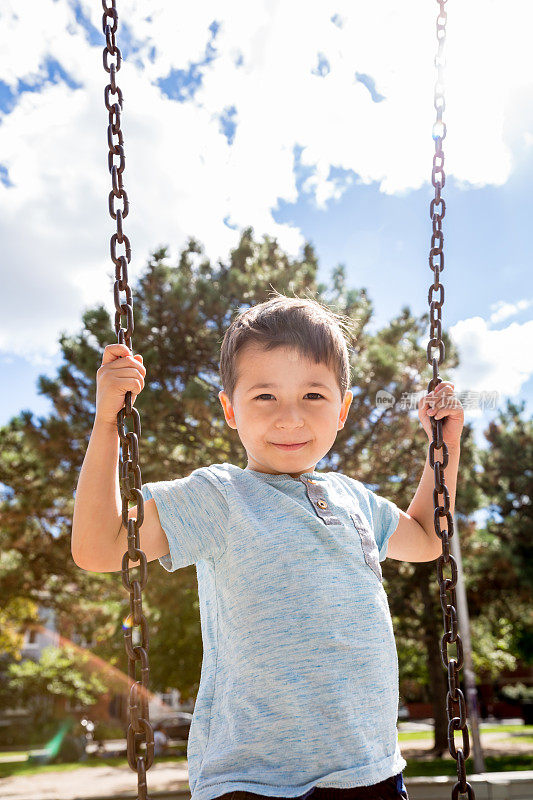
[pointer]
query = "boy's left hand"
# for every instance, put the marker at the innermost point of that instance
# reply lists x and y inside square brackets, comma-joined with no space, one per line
[443,404]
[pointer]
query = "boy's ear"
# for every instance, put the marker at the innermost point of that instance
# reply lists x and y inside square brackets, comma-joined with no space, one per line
[228,409]
[348,397]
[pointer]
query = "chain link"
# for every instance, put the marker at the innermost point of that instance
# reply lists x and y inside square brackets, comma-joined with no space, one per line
[139,728]
[455,701]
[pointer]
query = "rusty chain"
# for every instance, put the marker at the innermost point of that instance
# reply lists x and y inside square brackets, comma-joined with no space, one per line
[455,700]
[139,727]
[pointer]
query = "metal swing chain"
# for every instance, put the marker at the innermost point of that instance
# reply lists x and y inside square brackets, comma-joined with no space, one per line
[139,727]
[455,701]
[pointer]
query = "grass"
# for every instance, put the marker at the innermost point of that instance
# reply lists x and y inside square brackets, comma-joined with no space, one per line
[441,766]
[415,768]
[438,766]
[525,732]
[23,768]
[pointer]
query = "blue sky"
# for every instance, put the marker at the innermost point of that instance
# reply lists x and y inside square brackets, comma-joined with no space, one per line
[308,122]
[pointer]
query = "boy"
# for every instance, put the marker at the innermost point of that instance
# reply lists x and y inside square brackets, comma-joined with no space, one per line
[299,686]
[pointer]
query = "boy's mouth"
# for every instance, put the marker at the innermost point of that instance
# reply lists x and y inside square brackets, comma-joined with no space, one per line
[290,446]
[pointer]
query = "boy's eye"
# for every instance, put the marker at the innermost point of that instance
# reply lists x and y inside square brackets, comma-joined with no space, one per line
[259,396]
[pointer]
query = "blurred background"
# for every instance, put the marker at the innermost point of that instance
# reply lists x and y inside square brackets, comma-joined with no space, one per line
[284,145]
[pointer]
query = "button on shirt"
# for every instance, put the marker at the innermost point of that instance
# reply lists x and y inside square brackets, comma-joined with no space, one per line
[299,679]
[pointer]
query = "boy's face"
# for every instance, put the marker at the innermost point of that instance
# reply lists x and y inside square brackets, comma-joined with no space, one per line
[289,411]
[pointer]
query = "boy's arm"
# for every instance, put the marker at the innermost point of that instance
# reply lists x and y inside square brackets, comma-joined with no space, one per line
[416,529]
[99,538]
[98,504]
[422,506]
[415,538]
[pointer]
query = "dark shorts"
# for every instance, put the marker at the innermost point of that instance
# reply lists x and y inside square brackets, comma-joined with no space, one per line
[390,789]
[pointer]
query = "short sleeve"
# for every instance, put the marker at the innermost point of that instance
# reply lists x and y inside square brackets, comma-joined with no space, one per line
[385,516]
[193,513]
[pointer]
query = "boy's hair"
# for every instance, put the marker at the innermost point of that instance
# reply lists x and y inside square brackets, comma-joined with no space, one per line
[313,329]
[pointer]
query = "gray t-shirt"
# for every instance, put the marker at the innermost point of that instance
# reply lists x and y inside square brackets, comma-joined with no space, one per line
[299,679]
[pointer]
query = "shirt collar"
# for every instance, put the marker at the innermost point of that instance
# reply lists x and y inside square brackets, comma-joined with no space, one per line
[284,476]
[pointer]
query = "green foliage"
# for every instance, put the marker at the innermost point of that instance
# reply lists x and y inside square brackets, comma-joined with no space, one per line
[503,579]
[507,481]
[518,693]
[30,684]
[181,313]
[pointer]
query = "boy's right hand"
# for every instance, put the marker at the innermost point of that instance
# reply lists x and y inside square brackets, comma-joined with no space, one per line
[120,372]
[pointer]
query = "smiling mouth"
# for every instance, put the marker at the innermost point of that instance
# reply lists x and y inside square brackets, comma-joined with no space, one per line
[289,446]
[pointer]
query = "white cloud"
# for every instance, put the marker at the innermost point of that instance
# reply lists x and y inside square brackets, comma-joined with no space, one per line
[182,176]
[503,310]
[492,360]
